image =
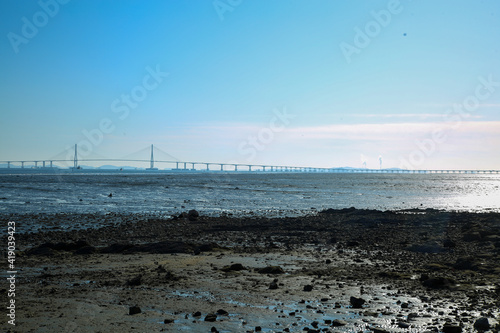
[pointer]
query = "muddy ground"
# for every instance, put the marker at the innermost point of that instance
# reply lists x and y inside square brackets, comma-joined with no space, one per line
[337,271]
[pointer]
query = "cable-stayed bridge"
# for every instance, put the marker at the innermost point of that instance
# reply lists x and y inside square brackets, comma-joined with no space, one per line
[176,165]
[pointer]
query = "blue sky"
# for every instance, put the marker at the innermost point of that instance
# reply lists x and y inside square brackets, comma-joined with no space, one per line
[313,83]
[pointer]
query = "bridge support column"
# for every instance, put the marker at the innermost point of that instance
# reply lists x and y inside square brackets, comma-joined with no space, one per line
[193,166]
[264,168]
[36,164]
[22,165]
[222,167]
[43,164]
[185,165]
[207,167]
[235,167]
[177,165]
[8,165]
[51,164]
[249,168]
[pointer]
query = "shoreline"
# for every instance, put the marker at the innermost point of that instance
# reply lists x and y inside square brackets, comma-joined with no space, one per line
[427,271]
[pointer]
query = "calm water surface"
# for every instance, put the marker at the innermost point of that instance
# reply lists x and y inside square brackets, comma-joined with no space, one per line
[269,194]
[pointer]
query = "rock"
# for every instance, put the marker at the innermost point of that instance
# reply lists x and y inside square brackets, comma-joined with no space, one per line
[356,303]
[450,328]
[482,324]
[258,329]
[271,270]
[168,321]
[273,285]
[135,281]
[339,322]
[222,312]
[308,287]
[197,314]
[438,283]
[134,310]
[214,330]
[211,317]
[233,267]
[193,215]
[110,195]
[403,325]
[379,330]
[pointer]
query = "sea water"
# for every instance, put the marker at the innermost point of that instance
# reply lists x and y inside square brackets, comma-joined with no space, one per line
[245,193]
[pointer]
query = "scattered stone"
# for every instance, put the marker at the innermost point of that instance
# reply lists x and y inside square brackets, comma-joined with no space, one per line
[356,302]
[222,312]
[193,215]
[403,325]
[197,314]
[135,281]
[211,317]
[168,321]
[308,287]
[233,267]
[379,330]
[134,310]
[450,328]
[482,324]
[273,285]
[271,270]
[339,322]
[258,329]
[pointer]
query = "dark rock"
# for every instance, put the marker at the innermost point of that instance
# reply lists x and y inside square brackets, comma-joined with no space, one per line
[222,312]
[197,314]
[214,330]
[339,322]
[211,317]
[403,325]
[356,302]
[110,195]
[379,330]
[168,321]
[352,243]
[233,267]
[308,287]
[258,329]
[273,285]
[438,283]
[135,281]
[193,215]
[134,310]
[450,328]
[271,270]
[482,324]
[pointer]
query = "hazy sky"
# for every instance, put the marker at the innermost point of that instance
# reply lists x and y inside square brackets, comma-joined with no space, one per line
[412,84]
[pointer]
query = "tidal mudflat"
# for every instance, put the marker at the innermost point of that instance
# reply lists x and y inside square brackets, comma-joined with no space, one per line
[345,270]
